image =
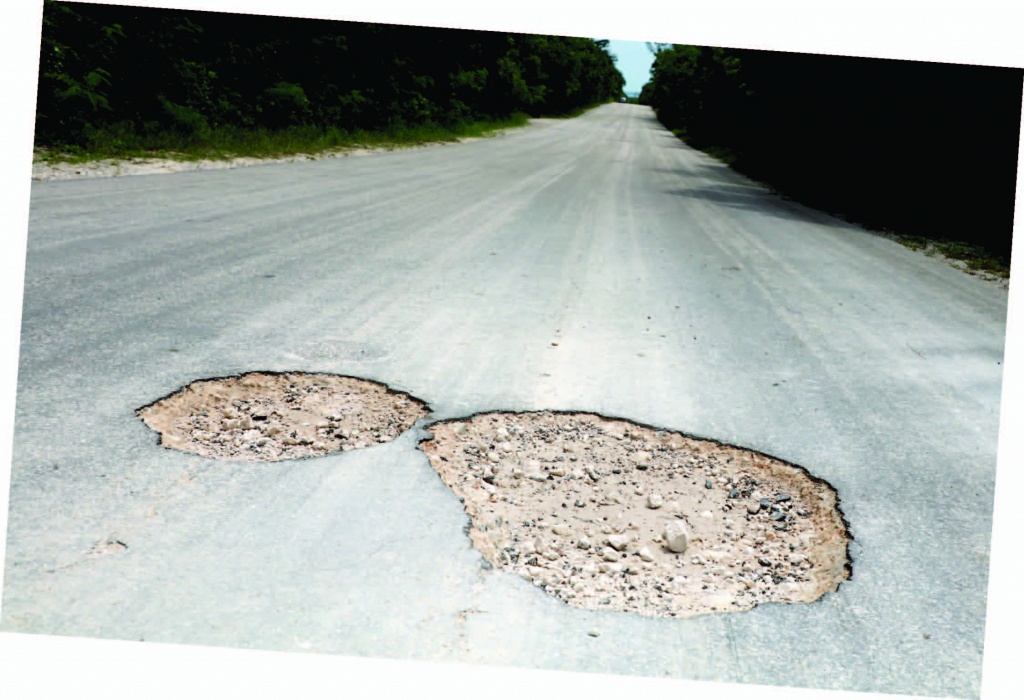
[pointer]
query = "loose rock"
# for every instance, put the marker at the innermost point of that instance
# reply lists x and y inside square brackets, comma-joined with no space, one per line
[675,536]
[242,417]
[605,497]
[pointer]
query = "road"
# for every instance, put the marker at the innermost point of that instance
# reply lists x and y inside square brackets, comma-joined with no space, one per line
[595,264]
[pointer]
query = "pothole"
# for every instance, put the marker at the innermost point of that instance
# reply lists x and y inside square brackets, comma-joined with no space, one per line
[607,514]
[269,416]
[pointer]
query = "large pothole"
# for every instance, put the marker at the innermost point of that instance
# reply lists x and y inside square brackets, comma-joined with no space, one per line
[268,416]
[607,514]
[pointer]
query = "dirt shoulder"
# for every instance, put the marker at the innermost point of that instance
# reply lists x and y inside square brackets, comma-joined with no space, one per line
[44,169]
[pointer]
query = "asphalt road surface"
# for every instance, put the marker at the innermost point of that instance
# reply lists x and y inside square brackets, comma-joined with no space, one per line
[595,264]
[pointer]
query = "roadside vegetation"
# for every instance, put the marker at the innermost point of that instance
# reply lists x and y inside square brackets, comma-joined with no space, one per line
[224,143]
[924,152]
[972,258]
[128,82]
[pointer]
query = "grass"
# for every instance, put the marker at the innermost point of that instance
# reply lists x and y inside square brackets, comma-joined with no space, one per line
[223,143]
[722,153]
[975,258]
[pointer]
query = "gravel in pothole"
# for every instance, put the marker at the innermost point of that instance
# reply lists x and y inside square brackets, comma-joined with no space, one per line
[264,416]
[606,514]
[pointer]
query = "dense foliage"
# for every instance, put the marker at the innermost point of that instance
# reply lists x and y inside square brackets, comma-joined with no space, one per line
[921,148]
[139,72]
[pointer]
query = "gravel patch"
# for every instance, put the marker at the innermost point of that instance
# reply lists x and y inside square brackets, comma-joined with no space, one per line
[607,514]
[266,416]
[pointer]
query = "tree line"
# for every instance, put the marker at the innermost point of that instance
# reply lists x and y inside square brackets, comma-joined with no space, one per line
[920,148]
[145,72]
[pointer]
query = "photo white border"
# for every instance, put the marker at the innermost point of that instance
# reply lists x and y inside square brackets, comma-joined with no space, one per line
[983,32]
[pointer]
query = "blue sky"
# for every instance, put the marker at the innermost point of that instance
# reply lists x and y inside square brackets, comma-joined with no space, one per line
[633,61]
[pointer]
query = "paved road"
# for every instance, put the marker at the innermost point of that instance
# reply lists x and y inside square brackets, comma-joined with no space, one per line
[679,294]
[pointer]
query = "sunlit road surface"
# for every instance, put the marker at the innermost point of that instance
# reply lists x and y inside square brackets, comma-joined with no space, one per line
[594,264]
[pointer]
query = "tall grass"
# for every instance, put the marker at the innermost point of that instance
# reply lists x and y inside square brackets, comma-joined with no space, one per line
[224,142]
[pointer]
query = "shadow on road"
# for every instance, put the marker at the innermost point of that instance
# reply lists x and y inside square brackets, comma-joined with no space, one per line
[726,188]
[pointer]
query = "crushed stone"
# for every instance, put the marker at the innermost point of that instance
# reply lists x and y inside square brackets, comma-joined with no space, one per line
[265,416]
[608,514]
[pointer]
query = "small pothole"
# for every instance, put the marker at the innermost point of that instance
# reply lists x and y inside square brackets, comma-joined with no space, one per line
[607,514]
[269,416]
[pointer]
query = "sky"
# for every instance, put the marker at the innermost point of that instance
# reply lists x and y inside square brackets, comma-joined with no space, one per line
[633,61]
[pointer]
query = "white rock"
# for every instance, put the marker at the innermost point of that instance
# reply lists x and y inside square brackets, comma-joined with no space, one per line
[460,429]
[538,476]
[655,501]
[493,456]
[610,555]
[550,554]
[583,543]
[645,554]
[562,530]
[609,567]
[506,447]
[706,514]
[619,541]
[557,470]
[675,536]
